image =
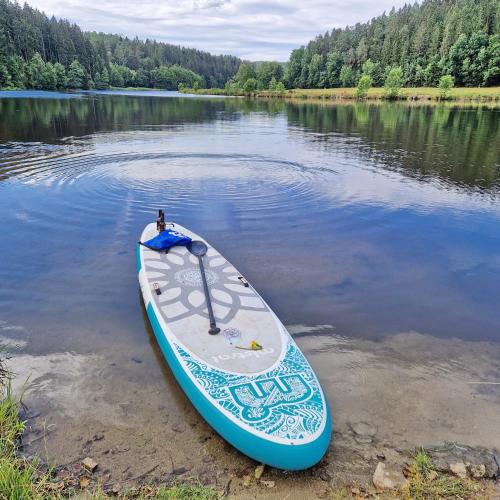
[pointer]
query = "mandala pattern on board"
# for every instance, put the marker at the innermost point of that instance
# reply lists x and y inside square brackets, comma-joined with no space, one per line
[285,402]
[179,277]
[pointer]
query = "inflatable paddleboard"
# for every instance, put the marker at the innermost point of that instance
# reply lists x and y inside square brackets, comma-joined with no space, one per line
[250,381]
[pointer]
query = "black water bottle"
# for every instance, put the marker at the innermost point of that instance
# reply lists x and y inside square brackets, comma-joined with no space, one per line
[160,221]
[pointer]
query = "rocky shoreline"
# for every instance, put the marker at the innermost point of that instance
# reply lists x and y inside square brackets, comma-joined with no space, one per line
[372,474]
[389,399]
[357,465]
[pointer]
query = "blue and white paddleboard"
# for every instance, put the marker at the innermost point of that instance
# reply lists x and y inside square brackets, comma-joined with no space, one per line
[250,382]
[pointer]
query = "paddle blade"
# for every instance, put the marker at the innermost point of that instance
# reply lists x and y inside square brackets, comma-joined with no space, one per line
[197,248]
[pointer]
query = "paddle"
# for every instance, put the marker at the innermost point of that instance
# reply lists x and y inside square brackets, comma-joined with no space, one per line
[199,249]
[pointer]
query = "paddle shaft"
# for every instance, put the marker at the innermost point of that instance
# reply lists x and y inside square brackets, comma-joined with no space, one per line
[213,326]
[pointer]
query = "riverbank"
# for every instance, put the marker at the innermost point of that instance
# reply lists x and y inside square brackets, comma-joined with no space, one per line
[142,89]
[419,476]
[105,438]
[462,94]
[465,94]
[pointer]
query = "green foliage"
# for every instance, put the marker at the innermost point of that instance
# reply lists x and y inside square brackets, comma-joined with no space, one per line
[262,76]
[266,71]
[425,483]
[374,71]
[15,67]
[333,68]
[19,479]
[34,72]
[232,88]
[61,80]
[364,85]
[280,88]
[25,32]
[48,77]
[5,80]
[185,492]
[122,76]
[169,77]
[492,55]
[250,85]
[317,73]
[76,75]
[101,80]
[272,84]
[445,85]
[245,72]
[294,67]
[433,72]
[275,86]
[116,78]
[427,40]
[467,59]
[347,76]
[393,82]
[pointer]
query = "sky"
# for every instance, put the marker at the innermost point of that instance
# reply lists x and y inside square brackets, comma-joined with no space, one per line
[251,29]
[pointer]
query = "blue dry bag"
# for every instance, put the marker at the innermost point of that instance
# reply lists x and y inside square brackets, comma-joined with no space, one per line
[167,239]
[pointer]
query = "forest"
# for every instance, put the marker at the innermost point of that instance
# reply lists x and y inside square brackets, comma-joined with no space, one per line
[419,43]
[39,52]
[436,43]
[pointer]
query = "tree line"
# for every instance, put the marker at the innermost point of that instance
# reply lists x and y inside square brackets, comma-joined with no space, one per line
[41,52]
[422,42]
[251,77]
[437,42]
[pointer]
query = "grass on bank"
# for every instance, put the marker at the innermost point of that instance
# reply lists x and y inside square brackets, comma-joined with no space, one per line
[425,483]
[131,88]
[407,93]
[19,479]
[24,480]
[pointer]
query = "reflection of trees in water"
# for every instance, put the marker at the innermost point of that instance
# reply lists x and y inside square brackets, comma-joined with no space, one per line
[456,144]
[49,120]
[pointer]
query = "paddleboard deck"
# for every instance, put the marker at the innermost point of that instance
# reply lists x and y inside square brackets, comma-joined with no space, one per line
[267,402]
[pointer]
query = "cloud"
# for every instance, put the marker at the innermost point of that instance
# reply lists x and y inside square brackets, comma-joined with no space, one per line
[251,29]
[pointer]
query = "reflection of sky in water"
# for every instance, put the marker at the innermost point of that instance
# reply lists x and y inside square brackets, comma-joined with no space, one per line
[330,231]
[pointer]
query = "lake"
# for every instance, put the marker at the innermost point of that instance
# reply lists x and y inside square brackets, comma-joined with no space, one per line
[372,218]
[357,222]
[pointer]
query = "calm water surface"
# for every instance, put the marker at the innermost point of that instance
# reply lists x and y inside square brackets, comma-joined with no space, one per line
[374,219]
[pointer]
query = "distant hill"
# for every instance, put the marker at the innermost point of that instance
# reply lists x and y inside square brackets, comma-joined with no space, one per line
[427,40]
[106,59]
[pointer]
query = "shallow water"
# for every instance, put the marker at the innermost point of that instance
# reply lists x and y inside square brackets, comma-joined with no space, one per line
[371,230]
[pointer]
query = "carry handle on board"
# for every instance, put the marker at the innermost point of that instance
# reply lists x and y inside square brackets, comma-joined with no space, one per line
[199,249]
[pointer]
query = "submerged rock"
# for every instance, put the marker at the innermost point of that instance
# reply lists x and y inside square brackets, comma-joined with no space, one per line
[477,471]
[386,478]
[259,470]
[268,484]
[476,460]
[89,464]
[459,469]
[363,432]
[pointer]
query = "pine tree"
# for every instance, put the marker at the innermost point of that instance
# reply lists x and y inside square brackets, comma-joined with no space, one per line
[61,80]
[34,72]
[394,82]
[76,75]
[5,79]
[15,66]
[48,78]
